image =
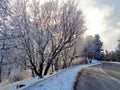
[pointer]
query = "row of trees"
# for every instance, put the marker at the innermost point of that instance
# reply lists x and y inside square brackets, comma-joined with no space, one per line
[113,55]
[43,37]
[94,50]
[38,36]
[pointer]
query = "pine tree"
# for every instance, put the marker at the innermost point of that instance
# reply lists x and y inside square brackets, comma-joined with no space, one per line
[118,48]
[98,51]
[118,51]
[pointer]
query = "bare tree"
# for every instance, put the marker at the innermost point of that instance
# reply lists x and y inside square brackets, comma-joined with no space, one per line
[69,28]
[5,17]
[46,31]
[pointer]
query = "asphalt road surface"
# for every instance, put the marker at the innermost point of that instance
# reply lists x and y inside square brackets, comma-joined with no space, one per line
[100,77]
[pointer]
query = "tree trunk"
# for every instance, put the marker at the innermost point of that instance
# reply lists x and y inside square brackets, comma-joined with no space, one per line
[52,68]
[47,68]
[0,73]
[33,74]
[56,65]
[41,69]
[9,72]
[70,62]
[64,64]
[25,63]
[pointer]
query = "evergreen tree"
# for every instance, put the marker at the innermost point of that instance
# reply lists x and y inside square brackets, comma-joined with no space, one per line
[118,47]
[118,51]
[98,51]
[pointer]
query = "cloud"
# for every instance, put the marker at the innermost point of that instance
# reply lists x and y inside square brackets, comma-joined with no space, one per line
[102,17]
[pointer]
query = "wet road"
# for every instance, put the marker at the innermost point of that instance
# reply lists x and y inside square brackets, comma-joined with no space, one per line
[101,77]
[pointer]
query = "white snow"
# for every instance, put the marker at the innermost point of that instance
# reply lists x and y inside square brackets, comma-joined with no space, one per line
[24,82]
[95,61]
[13,86]
[113,62]
[63,80]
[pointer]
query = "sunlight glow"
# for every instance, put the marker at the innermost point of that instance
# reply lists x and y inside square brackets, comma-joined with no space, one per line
[95,17]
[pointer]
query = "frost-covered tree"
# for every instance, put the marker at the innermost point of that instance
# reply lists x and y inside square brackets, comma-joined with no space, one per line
[113,55]
[118,51]
[88,50]
[118,47]
[4,33]
[7,38]
[46,31]
[93,48]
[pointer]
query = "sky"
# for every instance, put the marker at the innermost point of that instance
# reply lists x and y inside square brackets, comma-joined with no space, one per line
[102,17]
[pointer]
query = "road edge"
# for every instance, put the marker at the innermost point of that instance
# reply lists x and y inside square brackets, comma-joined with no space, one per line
[78,75]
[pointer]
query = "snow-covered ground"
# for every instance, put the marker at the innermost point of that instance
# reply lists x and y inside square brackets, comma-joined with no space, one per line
[26,82]
[62,80]
[113,62]
[95,61]
[13,86]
